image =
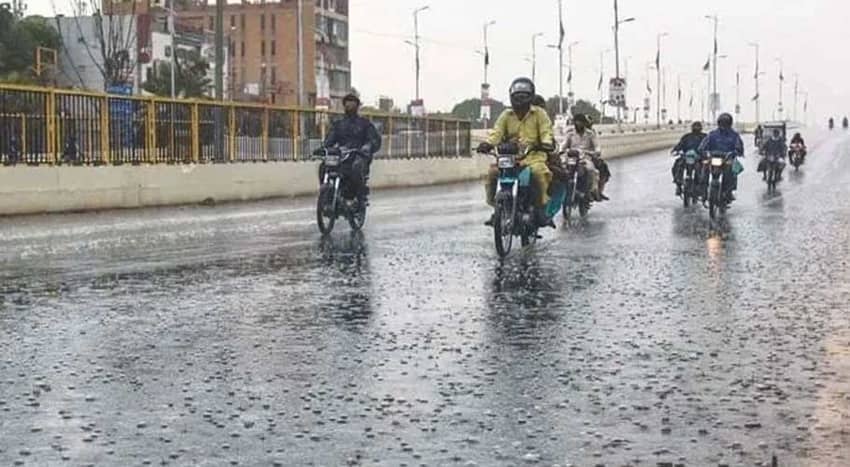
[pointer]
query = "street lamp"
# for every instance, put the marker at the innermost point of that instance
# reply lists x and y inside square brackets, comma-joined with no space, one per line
[658,73]
[486,49]
[416,43]
[617,23]
[755,45]
[534,55]
[780,110]
[714,97]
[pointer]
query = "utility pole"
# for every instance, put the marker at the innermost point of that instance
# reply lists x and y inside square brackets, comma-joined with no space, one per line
[561,34]
[486,50]
[416,43]
[571,77]
[534,56]
[757,97]
[617,24]
[780,110]
[714,96]
[300,32]
[738,94]
[796,93]
[173,50]
[658,75]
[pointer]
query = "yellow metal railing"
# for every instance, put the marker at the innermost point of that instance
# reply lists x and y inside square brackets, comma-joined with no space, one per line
[59,126]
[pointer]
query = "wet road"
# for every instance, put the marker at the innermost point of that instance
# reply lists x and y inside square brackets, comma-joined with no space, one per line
[234,335]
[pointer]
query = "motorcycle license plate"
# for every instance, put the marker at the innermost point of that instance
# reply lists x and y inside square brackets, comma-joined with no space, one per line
[717,162]
[506,162]
[572,162]
[332,160]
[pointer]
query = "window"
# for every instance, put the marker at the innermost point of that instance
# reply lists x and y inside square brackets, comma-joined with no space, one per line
[273,48]
[242,53]
[242,21]
[232,21]
[167,50]
[274,74]
[274,23]
[262,22]
[263,48]
[232,48]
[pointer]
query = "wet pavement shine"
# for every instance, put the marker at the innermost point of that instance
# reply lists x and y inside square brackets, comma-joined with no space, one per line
[236,335]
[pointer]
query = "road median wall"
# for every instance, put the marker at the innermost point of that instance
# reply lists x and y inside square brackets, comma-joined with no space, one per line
[47,189]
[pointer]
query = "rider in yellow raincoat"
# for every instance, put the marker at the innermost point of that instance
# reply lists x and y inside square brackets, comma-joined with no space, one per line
[530,128]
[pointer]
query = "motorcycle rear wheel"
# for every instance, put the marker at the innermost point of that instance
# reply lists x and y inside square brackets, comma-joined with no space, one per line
[357,219]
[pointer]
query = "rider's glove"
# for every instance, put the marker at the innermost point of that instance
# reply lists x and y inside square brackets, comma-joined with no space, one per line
[484,148]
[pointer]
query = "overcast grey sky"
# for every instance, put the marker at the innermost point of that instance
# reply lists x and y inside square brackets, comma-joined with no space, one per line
[810,36]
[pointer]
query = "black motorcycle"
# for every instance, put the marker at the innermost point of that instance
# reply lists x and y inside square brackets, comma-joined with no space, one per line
[772,169]
[690,175]
[716,166]
[337,196]
[576,196]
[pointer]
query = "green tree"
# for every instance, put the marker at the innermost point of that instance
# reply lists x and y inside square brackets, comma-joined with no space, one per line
[190,80]
[19,40]
[553,108]
[470,109]
[585,107]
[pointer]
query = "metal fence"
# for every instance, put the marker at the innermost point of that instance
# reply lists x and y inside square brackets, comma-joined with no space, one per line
[56,126]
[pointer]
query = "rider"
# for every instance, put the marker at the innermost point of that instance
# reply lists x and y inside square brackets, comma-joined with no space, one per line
[529,127]
[831,122]
[798,139]
[725,140]
[689,142]
[583,139]
[775,146]
[354,132]
[758,136]
[844,123]
[553,160]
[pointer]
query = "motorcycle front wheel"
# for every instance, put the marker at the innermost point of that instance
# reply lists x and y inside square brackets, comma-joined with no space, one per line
[503,227]
[325,209]
[713,201]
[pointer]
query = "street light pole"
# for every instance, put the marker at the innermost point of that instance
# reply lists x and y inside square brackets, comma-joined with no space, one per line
[714,97]
[796,93]
[534,56]
[738,94]
[570,58]
[780,110]
[755,45]
[560,57]
[658,74]
[173,49]
[486,49]
[416,43]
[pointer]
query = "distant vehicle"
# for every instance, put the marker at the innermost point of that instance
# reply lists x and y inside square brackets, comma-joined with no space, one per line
[768,130]
[831,123]
[845,123]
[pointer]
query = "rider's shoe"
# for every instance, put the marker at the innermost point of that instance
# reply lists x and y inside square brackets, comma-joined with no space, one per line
[602,197]
[491,221]
[678,189]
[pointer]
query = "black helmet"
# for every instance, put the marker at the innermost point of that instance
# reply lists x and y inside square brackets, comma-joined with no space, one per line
[725,120]
[522,92]
[581,118]
[696,126]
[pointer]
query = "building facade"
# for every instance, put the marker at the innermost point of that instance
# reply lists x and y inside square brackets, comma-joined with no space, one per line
[333,67]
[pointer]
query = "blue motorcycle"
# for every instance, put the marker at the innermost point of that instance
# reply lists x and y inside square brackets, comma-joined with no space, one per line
[515,212]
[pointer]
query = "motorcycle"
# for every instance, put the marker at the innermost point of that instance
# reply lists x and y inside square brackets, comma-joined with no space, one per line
[795,155]
[831,124]
[337,197]
[515,212]
[575,196]
[845,123]
[715,165]
[690,174]
[773,164]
